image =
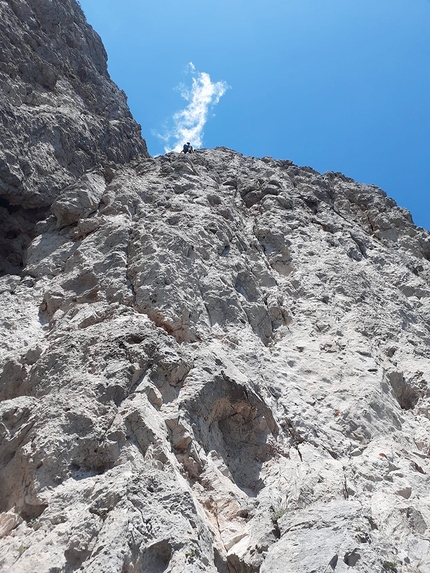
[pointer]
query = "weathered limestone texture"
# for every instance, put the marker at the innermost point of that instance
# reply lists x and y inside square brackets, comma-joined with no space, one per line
[209,363]
[221,365]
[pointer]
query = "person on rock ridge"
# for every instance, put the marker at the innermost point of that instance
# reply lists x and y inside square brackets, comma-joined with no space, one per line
[188,148]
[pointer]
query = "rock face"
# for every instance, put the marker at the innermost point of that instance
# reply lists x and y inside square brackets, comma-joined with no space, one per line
[60,114]
[214,363]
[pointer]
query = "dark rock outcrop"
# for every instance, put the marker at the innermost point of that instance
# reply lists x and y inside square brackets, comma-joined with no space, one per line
[60,114]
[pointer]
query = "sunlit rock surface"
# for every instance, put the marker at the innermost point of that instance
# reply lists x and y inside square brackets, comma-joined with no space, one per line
[213,363]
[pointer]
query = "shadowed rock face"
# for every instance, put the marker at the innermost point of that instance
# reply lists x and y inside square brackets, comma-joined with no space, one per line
[209,363]
[60,114]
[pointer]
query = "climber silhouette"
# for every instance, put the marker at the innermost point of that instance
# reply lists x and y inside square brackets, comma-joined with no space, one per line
[188,148]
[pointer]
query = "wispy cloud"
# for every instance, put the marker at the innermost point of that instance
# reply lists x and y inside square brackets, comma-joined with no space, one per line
[188,123]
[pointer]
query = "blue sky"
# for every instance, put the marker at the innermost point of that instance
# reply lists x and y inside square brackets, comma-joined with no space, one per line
[340,85]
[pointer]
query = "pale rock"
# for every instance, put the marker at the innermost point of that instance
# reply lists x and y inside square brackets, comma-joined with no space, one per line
[209,363]
[8,522]
[80,200]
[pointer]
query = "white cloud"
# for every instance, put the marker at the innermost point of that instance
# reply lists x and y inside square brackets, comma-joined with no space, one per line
[188,123]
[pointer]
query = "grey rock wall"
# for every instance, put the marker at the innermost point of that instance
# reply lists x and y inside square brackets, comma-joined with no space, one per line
[217,363]
[208,363]
[60,114]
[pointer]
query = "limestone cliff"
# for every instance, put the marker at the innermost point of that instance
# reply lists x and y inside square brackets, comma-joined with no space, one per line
[60,114]
[209,363]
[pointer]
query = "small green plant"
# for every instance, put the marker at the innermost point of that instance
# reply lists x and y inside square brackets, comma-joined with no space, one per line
[22,550]
[278,513]
[389,566]
[190,555]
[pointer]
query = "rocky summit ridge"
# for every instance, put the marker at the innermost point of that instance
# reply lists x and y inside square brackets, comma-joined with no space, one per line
[209,362]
